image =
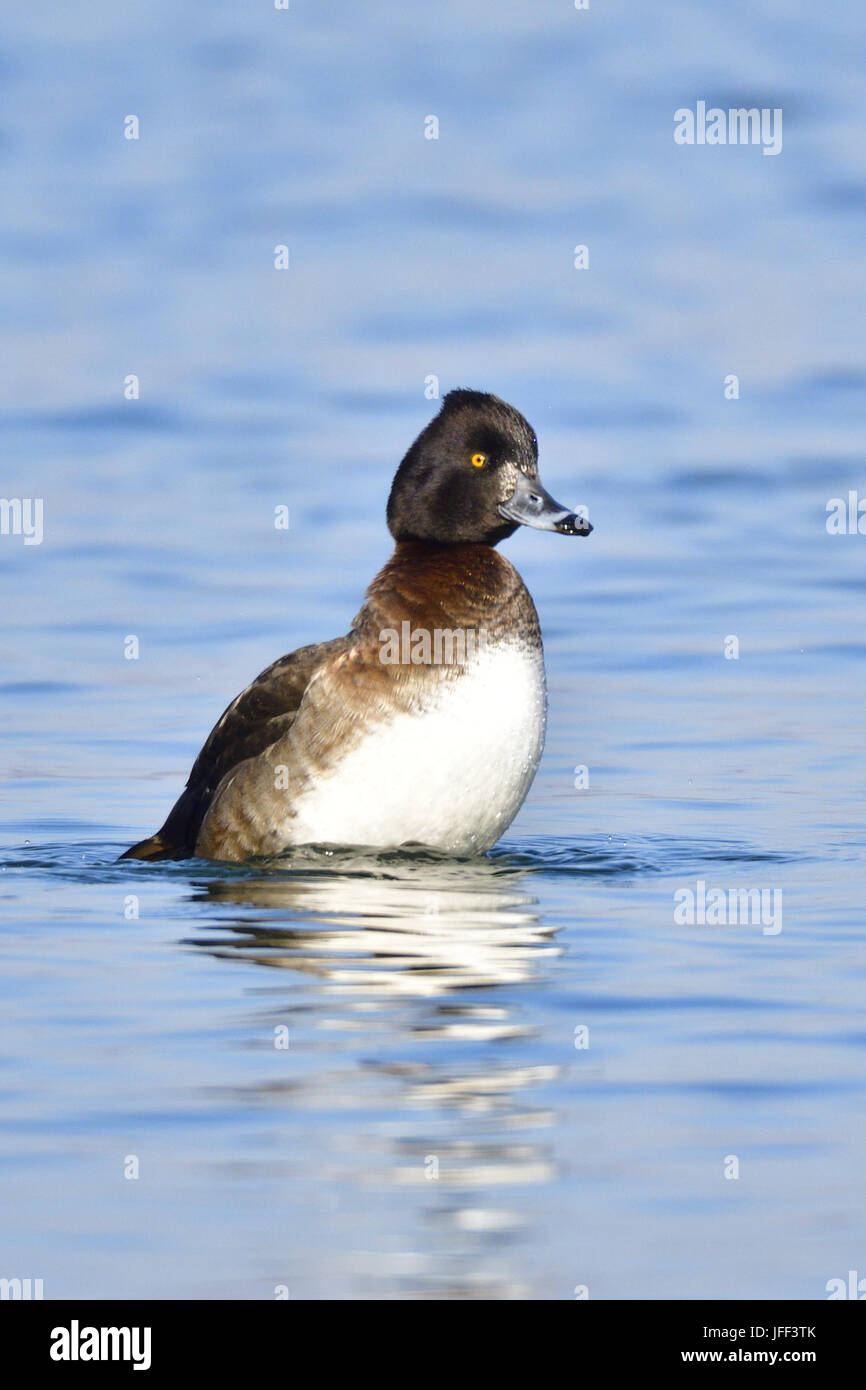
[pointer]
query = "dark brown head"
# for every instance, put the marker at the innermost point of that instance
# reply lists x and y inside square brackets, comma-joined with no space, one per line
[472,475]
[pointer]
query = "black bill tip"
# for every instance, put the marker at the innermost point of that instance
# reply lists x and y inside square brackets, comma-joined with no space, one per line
[573,525]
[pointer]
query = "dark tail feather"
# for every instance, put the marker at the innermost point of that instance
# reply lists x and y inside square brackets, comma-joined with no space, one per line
[154,848]
[176,839]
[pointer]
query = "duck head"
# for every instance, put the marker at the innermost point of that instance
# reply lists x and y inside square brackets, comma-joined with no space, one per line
[472,475]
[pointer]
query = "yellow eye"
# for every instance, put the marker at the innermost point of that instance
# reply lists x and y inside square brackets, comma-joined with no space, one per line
[479,460]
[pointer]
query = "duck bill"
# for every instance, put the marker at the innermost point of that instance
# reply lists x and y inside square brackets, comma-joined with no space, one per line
[531,505]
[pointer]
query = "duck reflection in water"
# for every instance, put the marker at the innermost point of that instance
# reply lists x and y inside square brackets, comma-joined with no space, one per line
[400,954]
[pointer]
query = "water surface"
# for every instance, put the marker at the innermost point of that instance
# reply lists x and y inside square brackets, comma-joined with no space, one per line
[432,1130]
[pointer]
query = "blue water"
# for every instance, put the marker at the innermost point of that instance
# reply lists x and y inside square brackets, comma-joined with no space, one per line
[431,1007]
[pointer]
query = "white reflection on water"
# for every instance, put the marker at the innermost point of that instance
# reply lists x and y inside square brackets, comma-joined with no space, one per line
[414,941]
[416,933]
